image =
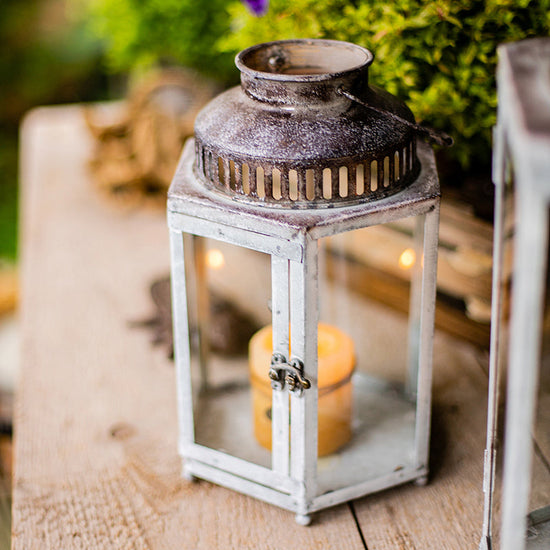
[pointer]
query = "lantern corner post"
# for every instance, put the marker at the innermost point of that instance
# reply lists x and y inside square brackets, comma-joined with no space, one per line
[304,317]
[182,350]
[499,169]
[530,262]
[425,339]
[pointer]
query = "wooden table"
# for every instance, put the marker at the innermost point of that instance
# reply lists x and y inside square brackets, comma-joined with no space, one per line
[96,464]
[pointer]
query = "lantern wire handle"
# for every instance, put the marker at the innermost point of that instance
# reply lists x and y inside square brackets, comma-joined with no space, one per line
[429,134]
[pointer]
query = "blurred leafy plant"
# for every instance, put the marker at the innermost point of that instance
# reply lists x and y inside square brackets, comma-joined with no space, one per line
[45,59]
[438,56]
[8,198]
[138,33]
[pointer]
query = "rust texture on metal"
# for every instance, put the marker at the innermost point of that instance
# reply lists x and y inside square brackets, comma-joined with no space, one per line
[288,136]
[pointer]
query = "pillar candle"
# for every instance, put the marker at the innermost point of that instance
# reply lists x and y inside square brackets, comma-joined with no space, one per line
[336,360]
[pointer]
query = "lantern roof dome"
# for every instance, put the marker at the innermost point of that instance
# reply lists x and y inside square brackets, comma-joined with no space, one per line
[305,129]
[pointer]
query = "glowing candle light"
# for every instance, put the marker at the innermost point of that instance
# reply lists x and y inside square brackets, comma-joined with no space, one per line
[215,259]
[407,258]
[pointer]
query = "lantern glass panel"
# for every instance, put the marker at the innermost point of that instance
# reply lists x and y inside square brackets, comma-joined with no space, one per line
[366,405]
[228,296]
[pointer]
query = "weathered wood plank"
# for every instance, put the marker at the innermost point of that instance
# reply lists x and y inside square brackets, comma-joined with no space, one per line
[96,462]
[447,513]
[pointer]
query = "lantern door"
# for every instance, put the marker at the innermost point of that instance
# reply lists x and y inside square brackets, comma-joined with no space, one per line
[373,361]
[231,312]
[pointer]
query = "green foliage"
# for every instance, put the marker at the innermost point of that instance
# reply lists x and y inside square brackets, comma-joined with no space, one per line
[8,198]
[438,56]
[141,32]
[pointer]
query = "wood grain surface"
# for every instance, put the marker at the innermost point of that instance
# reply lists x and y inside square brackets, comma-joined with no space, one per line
[96,463]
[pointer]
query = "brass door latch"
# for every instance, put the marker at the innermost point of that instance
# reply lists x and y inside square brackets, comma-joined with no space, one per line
[289,373]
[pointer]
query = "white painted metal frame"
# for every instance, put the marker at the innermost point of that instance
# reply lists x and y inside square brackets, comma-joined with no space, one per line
[291,238]
[522,145]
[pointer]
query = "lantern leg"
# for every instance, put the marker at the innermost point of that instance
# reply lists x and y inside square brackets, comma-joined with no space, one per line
[304,315]
[530,252]
[187,474]
[425,339]
[303,519]
[421,481]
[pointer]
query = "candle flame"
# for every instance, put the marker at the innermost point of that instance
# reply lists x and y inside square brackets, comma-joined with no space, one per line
[407,258]
[215,259]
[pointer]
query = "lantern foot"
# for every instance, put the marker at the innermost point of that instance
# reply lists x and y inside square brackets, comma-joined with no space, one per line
[421,481]
[188,475]
[485,543]
[303,519]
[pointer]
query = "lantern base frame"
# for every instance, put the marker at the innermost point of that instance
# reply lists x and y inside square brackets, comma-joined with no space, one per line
[383,413]
[389,460]
[289,502]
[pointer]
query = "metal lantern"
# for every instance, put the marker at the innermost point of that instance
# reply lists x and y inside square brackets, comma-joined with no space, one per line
[521,154]
[284,175]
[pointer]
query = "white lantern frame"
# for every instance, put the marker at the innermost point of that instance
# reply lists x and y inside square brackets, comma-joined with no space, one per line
[521,147]
[291,237]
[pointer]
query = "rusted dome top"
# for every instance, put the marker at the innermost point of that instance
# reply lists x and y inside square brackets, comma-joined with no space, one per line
[305,129]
